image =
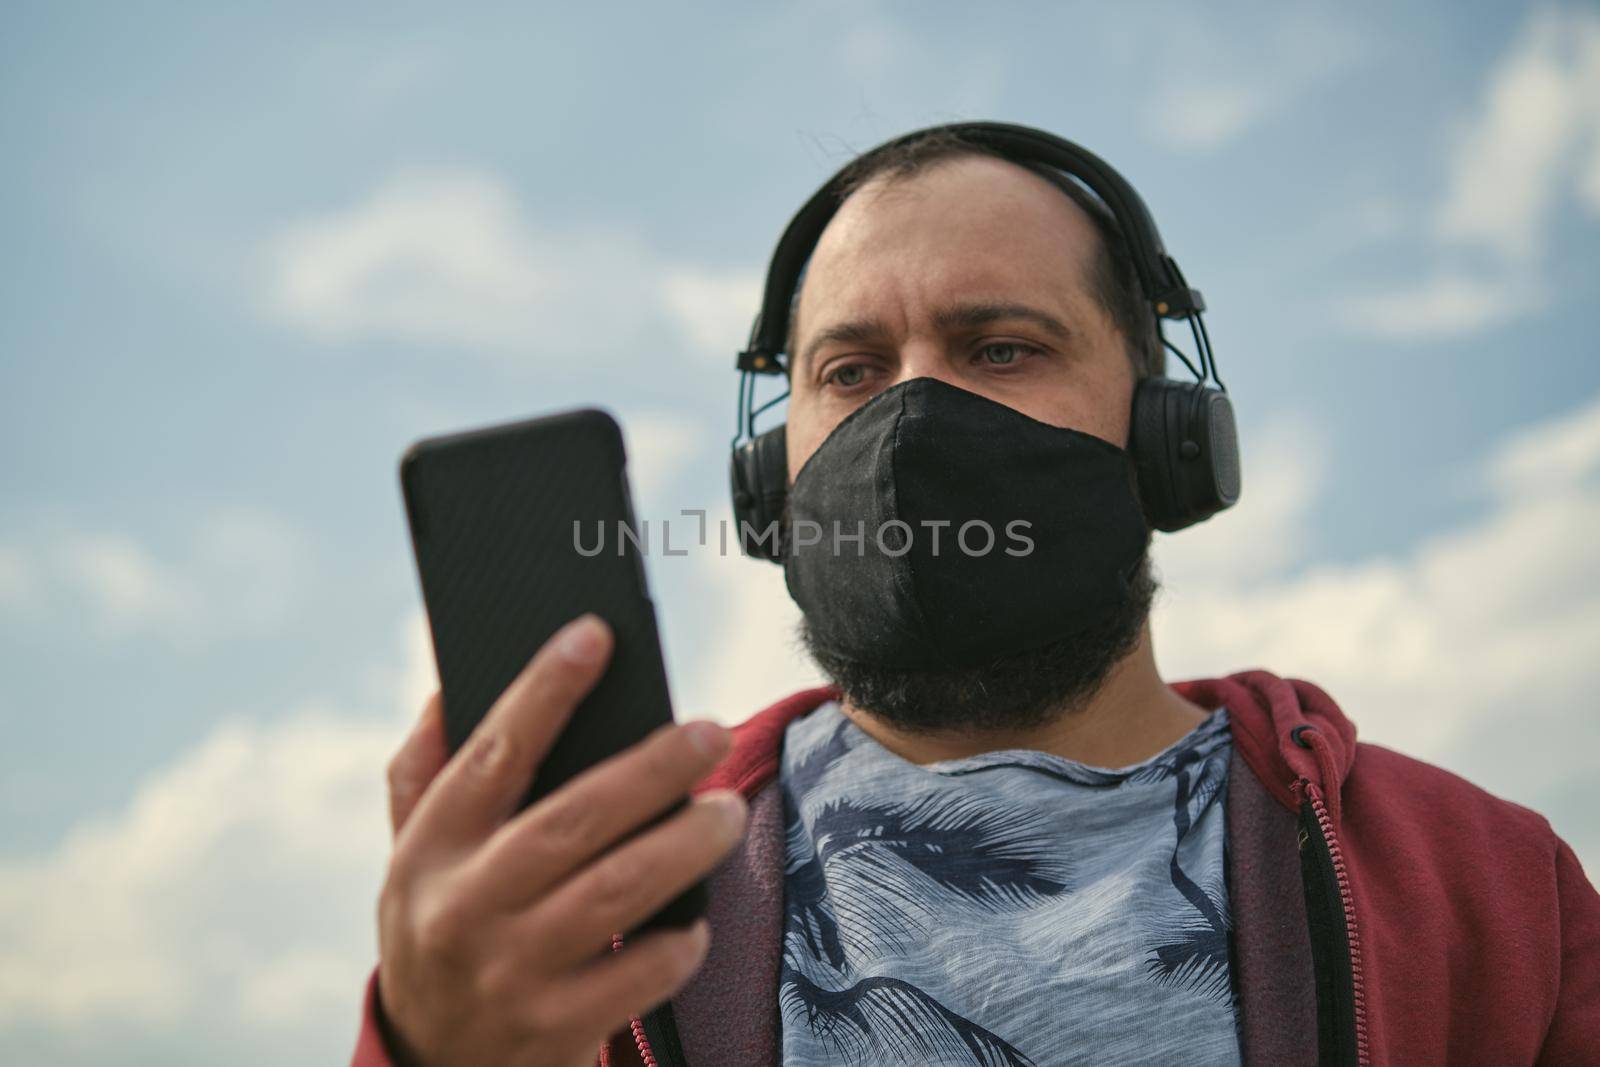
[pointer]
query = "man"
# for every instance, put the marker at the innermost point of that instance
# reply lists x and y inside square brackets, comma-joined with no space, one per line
[1002,839]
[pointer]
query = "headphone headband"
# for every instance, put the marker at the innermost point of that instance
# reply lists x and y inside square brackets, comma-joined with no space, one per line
[1170,297]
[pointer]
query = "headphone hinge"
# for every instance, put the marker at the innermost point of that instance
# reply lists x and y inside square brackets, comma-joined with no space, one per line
[760,361]
[1179,303]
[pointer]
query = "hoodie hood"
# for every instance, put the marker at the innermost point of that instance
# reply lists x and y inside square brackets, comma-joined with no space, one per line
[1289,732]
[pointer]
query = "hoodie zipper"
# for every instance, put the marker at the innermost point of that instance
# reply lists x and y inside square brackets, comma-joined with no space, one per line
[1330,906]
[656,1035]
[637,1025]
[642,1040]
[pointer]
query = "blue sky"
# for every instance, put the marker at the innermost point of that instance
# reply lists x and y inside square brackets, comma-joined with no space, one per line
[252,252]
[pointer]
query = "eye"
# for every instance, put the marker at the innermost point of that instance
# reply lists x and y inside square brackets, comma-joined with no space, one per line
[1005,353]
[848,376]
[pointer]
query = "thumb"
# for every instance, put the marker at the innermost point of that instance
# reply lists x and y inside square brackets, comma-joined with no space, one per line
[419,760]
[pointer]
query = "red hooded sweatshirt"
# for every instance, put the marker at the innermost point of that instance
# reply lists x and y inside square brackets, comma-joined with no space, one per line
[1385,911]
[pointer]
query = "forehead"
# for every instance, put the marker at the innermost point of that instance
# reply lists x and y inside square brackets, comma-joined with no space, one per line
[970,227]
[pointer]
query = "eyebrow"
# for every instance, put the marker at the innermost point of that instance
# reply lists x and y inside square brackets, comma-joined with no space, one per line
[960,316]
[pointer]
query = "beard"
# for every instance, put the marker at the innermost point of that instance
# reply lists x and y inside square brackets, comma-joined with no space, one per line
[1016,691]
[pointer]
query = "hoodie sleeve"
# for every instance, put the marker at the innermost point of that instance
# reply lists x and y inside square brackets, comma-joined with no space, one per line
[1574,1032]
[372,1049]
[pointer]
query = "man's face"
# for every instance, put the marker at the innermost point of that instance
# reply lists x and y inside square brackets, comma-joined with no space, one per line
[974,272]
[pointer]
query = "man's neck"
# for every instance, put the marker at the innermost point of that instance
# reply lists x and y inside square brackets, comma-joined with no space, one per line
[1133,716]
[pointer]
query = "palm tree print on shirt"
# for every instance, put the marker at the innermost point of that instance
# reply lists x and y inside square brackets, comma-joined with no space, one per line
[894,856]
[891,863]
[886,1020]
[1192,952]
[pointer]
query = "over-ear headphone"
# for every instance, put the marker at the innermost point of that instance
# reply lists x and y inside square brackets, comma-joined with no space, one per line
[1182,436]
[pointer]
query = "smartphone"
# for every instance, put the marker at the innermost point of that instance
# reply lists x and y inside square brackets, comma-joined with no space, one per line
[518,529]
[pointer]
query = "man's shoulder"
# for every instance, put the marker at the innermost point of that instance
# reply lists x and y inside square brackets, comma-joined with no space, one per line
[758,742]
[768,724]
[1421,810]
[1400,778]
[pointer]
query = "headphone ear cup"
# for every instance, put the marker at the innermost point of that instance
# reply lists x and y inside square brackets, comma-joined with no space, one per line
[1218,488]
[1185,449]
[758,472]
[1147,441]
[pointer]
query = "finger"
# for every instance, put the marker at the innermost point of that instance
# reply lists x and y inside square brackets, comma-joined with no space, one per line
[420,758]
[542,846]
[604,995]
[490,773]
[632,882]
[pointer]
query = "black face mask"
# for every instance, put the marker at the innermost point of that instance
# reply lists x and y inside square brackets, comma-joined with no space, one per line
[935,528]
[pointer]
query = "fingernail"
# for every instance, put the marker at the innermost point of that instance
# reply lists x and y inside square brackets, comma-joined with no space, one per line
[729,807]
[579,642]
[708,738]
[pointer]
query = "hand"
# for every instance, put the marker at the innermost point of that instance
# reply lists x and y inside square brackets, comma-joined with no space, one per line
[494,926]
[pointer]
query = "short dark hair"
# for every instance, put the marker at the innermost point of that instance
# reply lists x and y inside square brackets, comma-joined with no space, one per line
[1112,278]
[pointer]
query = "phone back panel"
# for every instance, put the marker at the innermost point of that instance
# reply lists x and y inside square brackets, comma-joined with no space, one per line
[492,516]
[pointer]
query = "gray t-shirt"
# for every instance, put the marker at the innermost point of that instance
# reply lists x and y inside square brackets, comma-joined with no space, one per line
[1009,908]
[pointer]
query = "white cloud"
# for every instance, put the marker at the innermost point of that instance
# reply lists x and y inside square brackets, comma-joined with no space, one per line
[714,310]
[1522,152]
[1589,184]
[451,257]
[1548,457]
[1533,143]
[1474,650]
[298,984]
[660,446]
[236,572]
[1443,306]
[396,73]
[756,657]
[887,56]
[235,890]
[16,579]
[127,584]
[430,255]
[1265,533]
[866,48]
[1211,88]
[1206,117]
